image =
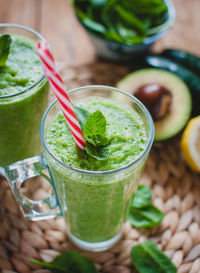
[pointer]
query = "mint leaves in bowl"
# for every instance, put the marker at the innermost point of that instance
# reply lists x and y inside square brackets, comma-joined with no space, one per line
[121,29]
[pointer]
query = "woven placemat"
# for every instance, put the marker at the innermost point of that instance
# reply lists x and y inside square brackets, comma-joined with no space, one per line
[176,191]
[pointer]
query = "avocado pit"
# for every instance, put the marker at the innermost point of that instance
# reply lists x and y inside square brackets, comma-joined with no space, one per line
[156,98]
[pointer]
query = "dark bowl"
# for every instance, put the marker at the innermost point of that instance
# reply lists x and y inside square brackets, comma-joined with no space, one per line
[123,52]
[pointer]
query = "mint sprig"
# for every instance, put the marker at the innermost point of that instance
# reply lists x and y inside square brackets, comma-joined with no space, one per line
[5,42]
[95,136]
[82,115]
[94,131]
[97,140]
[95,128]
[99,153]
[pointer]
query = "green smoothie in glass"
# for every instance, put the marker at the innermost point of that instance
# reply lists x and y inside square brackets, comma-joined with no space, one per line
[23,96]
[96,207]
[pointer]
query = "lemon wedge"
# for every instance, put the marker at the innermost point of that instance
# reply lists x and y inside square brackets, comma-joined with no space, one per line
[190,143]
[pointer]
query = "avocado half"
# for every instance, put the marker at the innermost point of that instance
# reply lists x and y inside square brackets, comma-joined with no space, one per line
[181,104]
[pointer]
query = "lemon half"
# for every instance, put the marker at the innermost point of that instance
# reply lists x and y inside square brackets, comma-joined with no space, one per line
[190,143]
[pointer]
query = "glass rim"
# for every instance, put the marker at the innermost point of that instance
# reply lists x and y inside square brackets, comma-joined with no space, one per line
[124,167]
[38,35]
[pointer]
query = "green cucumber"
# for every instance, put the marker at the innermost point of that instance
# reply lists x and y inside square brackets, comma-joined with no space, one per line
[189,60]
[189,77]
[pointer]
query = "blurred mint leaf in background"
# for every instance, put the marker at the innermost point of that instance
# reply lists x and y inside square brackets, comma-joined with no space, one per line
[5,42]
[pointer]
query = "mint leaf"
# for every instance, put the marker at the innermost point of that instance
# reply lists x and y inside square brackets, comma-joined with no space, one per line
[100,153]
[98,3]
[5,41]
[82,115]
[55,268]
[142,197]
[147,217]
[94,132]
[148,258]
[95,125]
[142,214]
[97,140]
[69,262]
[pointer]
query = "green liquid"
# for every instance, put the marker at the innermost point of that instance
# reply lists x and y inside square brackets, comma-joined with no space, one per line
[97,204]
[23,67]
[124,130]
[20,115]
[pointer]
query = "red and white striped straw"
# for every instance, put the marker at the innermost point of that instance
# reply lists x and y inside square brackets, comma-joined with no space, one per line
[51,71]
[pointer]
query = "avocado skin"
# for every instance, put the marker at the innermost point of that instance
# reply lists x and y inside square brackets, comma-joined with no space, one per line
[185,58]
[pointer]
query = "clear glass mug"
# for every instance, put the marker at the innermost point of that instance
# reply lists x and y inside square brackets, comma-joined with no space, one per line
[94,203]
[21,112]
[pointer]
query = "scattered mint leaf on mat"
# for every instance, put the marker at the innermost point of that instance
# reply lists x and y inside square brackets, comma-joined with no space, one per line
[69,262]
[5,41]
[82,115]
[142,197]
[142,214]
[147,217]
[100,153]
[148,258]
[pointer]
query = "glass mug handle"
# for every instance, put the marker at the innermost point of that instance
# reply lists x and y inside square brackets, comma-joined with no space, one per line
[17,173]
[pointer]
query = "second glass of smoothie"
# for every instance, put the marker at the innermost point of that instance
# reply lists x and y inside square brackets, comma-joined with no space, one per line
[23,96]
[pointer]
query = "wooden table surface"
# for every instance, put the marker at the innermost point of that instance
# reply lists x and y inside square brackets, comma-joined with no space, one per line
[56,21]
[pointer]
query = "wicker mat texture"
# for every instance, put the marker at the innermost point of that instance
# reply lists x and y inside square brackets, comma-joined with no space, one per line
[176,191]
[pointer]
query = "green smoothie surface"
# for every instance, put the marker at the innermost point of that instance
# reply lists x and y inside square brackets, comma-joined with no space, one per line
[23,67]
[124,129]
